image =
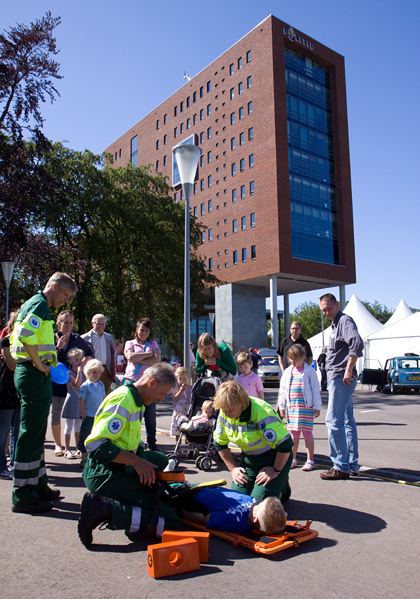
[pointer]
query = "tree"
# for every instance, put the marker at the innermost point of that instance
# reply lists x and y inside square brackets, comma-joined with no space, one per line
[122,239]
[379,311]
[26,69]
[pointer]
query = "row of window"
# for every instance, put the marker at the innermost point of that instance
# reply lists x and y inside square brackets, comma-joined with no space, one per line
[242,221]
[179,196]
[209,184]
[243,253]
[179,130]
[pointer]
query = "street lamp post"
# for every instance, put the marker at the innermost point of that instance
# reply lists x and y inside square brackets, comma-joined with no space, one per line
[187,160]
[8,274]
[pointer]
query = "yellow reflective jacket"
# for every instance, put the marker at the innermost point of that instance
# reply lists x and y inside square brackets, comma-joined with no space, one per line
[118,420]
[257,430]
[34,326]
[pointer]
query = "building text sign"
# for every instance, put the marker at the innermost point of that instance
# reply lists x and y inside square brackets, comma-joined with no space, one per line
[294,37]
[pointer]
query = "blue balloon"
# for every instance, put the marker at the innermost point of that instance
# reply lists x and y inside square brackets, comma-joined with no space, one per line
[59,374]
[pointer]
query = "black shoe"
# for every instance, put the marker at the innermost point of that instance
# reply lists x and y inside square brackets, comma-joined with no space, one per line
[95,510]
[286,492]
[51,494]
[38,506]
[334,474]
[152,447]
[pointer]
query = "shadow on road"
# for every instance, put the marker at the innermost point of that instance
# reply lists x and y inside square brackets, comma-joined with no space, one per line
[340,518]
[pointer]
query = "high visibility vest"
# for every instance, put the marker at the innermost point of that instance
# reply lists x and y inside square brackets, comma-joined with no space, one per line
[34,326]
[255,432]
[118,420]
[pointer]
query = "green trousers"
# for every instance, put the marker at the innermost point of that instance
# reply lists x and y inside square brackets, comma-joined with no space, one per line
[34,389]
[253,465]
[134,502]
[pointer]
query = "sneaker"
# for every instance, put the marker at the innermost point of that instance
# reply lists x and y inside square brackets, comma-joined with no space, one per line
[334,474]
[6,474]
[68,454]
[38,506]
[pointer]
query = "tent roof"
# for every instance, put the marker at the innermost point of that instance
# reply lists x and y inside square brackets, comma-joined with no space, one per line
[402,311]
[408,327]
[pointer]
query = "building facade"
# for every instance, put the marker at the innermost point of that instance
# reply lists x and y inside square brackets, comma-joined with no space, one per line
[273,184]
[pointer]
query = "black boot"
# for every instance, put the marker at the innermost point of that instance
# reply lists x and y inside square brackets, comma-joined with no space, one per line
[94,510]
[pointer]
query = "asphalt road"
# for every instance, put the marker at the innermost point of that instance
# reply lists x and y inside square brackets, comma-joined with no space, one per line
[368,544]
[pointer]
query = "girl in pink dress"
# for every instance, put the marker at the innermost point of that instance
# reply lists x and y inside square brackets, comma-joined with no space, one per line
[299,389]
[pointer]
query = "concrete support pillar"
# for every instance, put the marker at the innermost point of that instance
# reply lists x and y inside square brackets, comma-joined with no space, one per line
[241,315]
[342,297]
[273,312]
[286,314]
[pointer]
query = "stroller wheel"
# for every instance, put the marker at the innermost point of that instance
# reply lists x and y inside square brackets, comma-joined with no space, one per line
[206,464]
[198,462]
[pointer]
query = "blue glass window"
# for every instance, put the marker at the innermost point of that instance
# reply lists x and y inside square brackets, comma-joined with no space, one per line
[311,160]
[133,151]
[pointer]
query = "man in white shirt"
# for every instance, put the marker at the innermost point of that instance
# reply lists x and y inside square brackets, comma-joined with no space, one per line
[104,349]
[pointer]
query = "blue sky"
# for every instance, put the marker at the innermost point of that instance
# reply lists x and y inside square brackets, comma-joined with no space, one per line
[121,59]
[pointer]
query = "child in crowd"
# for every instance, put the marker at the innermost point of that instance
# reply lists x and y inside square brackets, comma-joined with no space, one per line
[299,389]
[181,400]
[120,361]
[71,408]
[250,381]
[91,395]
[200,423]
[223,509]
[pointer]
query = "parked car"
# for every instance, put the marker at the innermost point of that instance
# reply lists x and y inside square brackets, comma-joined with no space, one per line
[267,351]
[269,370]
[401,373]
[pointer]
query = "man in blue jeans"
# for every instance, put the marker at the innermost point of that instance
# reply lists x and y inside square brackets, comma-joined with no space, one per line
[345,347]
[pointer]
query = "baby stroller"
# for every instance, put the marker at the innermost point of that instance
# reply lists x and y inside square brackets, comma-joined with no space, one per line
[197,441]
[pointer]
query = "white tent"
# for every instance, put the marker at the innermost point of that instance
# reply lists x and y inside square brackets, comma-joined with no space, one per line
[402,311]
[394,340]
[366,325]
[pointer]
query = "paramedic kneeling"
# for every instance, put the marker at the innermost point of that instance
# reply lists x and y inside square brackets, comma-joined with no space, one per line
[119,473]
[264,441]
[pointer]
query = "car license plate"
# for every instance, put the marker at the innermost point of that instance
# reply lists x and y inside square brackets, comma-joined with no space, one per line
[271,378]
[414,378]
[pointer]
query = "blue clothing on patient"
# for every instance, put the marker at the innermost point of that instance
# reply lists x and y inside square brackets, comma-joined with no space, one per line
[229,510]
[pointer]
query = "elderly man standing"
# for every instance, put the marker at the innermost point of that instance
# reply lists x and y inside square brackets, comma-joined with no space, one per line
[103,348]
[287,342]
[345,347]
[32,345]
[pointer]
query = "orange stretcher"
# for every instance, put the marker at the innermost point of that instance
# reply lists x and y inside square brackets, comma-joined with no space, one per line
[293,535]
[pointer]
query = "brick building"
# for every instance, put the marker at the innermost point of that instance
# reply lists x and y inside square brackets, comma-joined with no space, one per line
[273,185]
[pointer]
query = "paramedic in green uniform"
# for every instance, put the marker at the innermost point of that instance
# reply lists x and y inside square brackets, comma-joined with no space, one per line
[264,441]
[32,345]
[119,473]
